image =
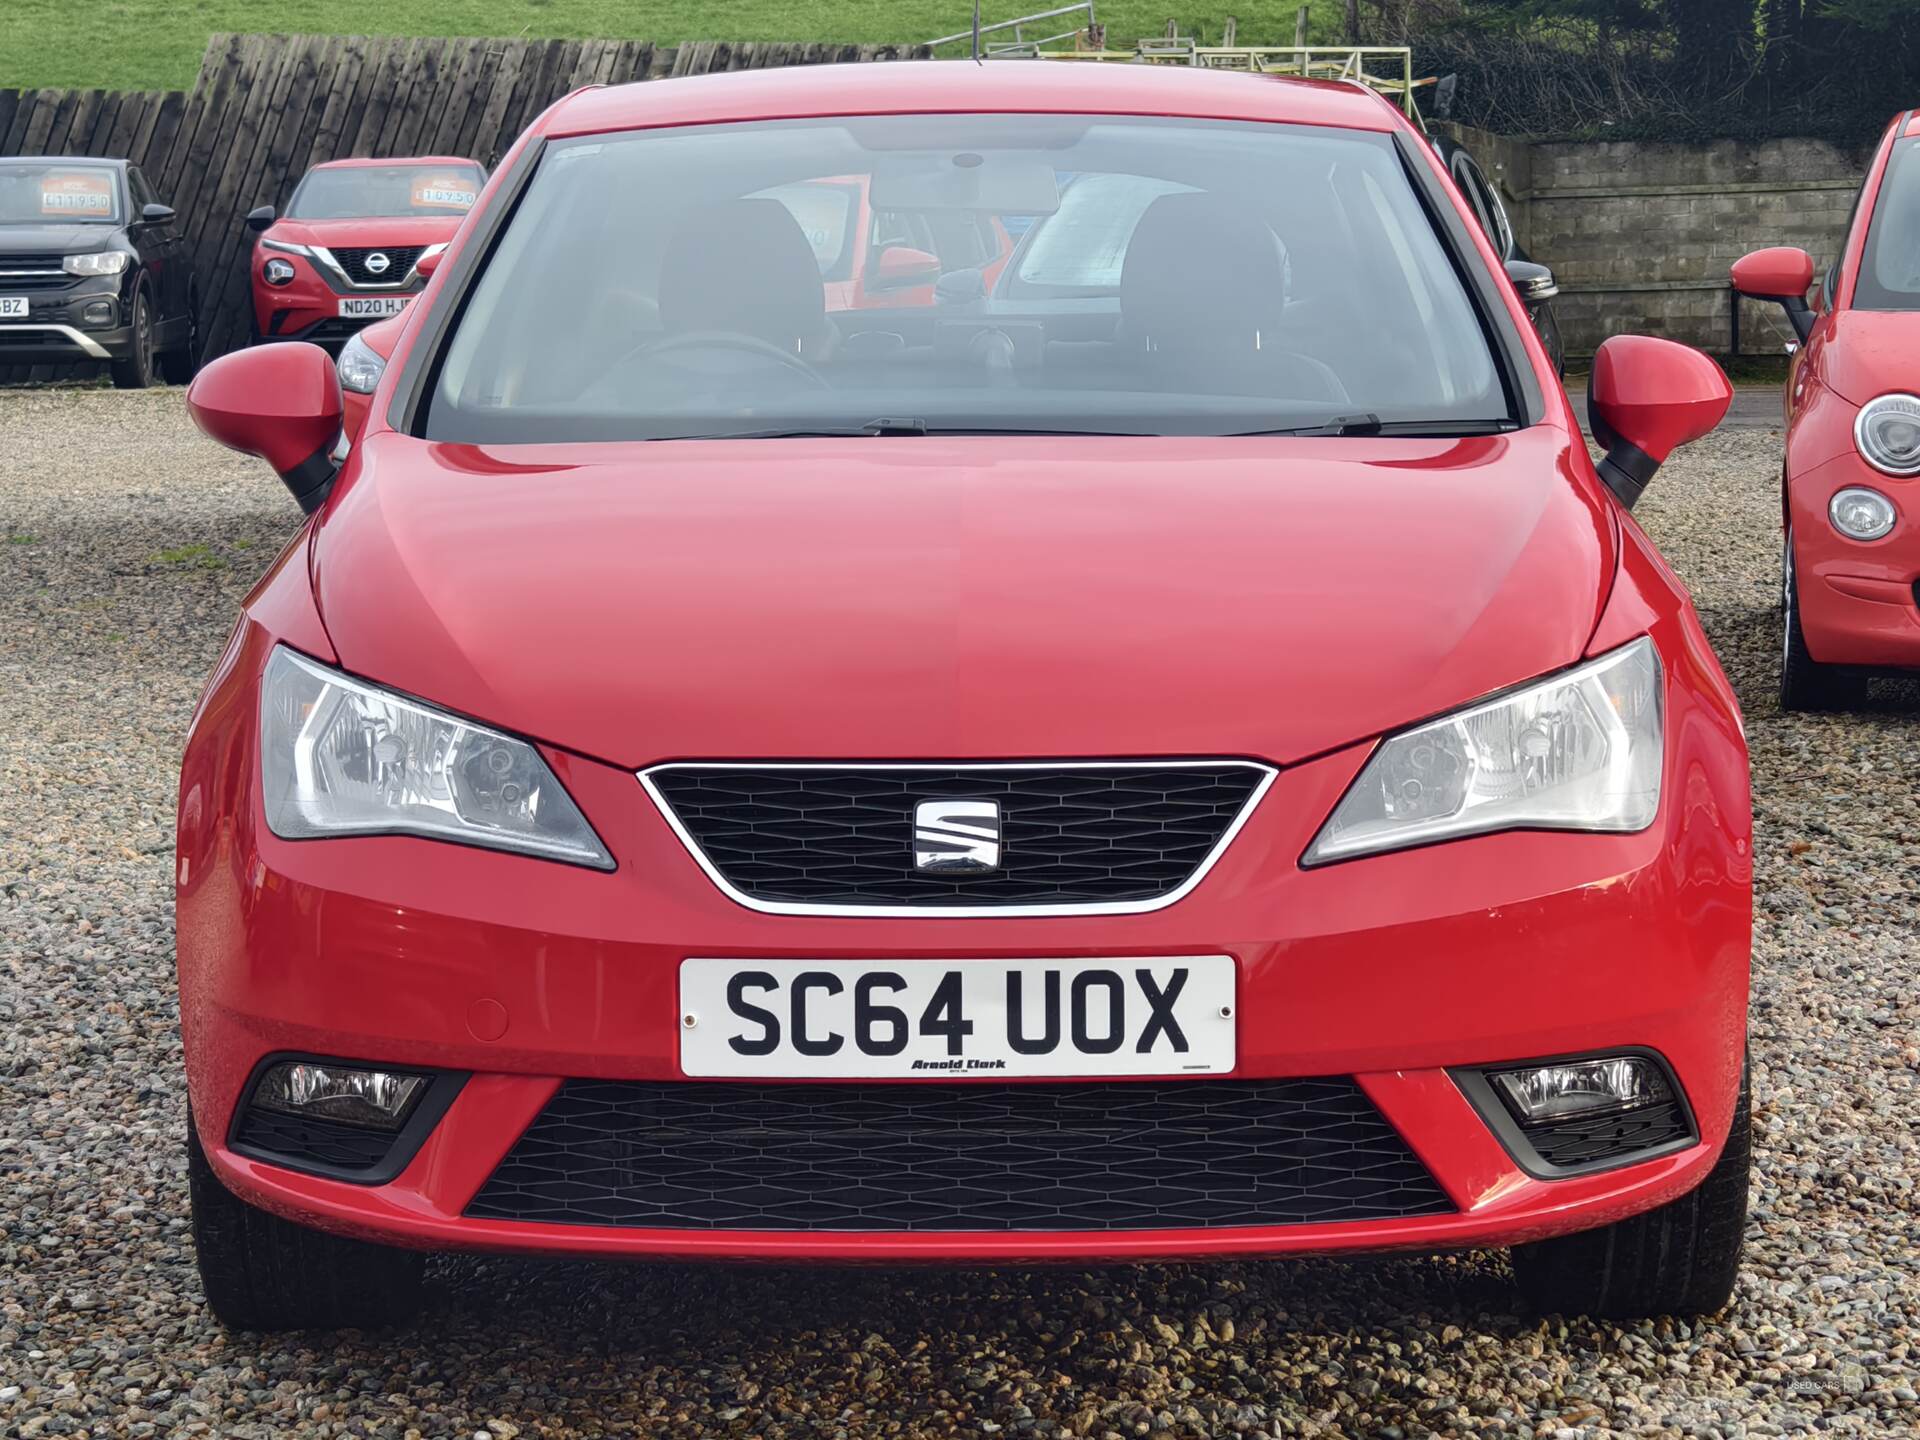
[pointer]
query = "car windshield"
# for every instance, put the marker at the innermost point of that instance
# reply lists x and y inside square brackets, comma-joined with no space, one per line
[34,192]
[1890,269]
[1172,277]
[355,192]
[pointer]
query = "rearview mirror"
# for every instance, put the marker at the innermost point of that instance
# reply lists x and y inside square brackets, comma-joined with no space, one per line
[154,213]
[1645,399]
[280,402]
[428,263]
[1782,274]
[261,218]
[902,265]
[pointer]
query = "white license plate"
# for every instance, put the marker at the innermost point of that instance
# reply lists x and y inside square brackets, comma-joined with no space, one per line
[13,307]
[910,1019]
[373,307]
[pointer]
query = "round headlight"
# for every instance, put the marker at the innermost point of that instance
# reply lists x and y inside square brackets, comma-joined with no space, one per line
[1887,434]
[278,271]
[1861,514]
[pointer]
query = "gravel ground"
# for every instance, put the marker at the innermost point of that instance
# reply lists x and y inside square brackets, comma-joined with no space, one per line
[125,544]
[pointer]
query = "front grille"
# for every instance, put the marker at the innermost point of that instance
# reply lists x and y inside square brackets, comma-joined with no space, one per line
[16,279]
[353,260]
[1070,835]
[1118,1155]
[310,1141]
[1598,1140]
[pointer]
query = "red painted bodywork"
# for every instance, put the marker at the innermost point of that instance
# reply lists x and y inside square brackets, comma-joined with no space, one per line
[282,405]
[1856,598]
[1656,395]
[287,311]
[956,598]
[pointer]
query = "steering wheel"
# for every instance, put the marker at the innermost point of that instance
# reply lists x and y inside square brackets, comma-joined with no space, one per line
[736,341]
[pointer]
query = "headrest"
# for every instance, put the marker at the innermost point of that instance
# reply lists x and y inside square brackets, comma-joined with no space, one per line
[743,266]
[1201,271]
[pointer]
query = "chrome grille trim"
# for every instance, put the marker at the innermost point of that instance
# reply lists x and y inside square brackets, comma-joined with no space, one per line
[1116,907]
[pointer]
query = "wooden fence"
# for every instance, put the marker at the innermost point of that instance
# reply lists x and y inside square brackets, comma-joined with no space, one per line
[266,107]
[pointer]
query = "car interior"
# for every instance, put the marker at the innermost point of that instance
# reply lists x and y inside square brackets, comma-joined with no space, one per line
[1171,277]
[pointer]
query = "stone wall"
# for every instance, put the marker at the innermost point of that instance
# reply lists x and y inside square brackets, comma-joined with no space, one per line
[1641,236]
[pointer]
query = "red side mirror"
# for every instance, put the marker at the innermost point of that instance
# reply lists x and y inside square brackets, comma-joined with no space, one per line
[1782,274]
[1774,274]
[428,263]
[280,402]
[1645,399]
[902,265]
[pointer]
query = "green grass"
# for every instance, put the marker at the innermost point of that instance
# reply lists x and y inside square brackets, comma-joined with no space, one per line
[156,44]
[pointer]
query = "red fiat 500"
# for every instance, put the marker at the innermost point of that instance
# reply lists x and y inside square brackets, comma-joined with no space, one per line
[1848,487]
[1203,768]
[348,250]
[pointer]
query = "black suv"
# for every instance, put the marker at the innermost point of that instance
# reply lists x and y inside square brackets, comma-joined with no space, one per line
[92,268]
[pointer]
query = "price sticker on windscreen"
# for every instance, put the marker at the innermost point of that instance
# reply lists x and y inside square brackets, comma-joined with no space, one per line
[82,194]
[443,192]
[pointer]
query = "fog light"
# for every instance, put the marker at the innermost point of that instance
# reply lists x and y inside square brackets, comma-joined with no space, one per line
[1861,514]
[278,272]
[1543,1094]
[98,312]
[379,1099]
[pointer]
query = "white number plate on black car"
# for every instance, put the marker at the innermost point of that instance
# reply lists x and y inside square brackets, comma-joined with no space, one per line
[13,307]
[373,307]
[868,1019]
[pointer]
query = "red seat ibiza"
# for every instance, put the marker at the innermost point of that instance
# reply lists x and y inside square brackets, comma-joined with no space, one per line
[1852,551]
[348,250]
[1189,760]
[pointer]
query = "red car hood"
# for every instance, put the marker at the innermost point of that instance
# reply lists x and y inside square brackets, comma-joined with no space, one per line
[979,597]
[1870,352]
[378,230]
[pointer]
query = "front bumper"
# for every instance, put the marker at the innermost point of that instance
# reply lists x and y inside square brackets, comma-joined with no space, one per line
[85,320]
[308,306]
[1858,602]
[1392,970]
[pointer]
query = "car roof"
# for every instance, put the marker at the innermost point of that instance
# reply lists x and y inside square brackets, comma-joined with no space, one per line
[395,160]
[962,86]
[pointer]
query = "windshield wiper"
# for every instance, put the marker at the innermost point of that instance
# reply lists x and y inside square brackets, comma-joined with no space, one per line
[1371,424]
[885,425]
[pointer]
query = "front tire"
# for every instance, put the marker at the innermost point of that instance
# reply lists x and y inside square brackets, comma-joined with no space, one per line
[1806,684]
[136,371]
[264,1273]
[1681,1259]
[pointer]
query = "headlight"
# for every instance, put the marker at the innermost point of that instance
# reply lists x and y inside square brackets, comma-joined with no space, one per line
[101,262]
[1861,514]
[1887,434]
[338,757]
[1581,750]
[278,271]
[360,369]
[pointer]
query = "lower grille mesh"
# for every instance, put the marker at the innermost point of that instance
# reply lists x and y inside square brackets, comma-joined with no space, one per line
[1596,1140]
[310,1140]
[1107,1156]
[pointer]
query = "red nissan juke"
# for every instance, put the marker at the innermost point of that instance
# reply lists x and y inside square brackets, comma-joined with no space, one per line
[350,248]
[1851,558]
[1188,759]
